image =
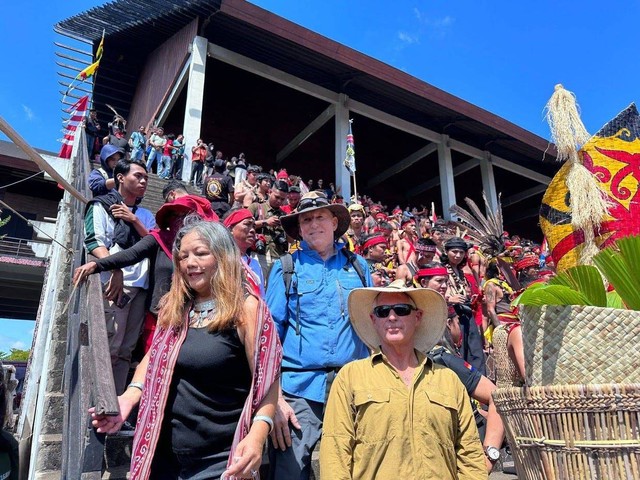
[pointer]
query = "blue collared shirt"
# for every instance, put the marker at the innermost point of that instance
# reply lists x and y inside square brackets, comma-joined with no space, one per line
[326,338]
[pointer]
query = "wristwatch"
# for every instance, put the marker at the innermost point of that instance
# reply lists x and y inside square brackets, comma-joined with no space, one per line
[492,453]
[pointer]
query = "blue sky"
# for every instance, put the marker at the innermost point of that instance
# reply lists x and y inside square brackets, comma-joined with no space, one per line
[503,56]
[15,334]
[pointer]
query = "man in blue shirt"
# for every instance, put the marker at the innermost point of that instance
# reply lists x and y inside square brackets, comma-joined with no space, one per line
[313,323]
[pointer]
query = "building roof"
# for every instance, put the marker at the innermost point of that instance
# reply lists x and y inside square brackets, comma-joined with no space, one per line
[275,41]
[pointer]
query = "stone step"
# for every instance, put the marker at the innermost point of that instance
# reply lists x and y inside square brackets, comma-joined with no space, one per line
[153,199]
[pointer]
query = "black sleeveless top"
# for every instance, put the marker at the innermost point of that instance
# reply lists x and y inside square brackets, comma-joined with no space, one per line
[210,384]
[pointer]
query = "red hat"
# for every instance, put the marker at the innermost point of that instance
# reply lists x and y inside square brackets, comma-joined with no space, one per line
[526,262]
[381,216]
[183,206]
[396,211]
[283,175]
[236,217]
[375,208]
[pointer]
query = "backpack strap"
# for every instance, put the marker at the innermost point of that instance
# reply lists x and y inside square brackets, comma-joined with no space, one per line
[104,173]
[352,259]
[288,270]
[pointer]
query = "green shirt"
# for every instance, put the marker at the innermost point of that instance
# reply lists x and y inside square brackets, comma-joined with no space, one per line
[376,427]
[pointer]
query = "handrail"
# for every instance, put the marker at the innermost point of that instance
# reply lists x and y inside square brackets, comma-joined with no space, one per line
[105,400]
[38,160]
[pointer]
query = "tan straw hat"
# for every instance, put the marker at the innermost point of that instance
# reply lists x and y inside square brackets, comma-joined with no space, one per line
[428,332]
[315,200]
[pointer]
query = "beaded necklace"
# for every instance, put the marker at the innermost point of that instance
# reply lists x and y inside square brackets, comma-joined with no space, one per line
[200,313]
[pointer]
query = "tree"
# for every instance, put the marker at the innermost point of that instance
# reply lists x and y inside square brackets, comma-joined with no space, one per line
[15,354]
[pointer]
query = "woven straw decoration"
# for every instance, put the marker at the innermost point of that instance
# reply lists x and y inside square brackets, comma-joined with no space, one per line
[573,432]
[580,344]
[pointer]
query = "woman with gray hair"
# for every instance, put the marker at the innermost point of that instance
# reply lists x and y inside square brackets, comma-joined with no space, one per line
[207,393]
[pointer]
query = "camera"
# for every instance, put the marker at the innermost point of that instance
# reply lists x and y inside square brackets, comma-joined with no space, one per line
[280,239]
[261,245]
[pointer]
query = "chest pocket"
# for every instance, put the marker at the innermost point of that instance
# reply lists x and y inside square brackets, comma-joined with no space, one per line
[442,417]
[373,419]
[349,279]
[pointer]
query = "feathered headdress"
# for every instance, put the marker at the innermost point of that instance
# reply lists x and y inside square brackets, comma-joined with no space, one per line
[485,231]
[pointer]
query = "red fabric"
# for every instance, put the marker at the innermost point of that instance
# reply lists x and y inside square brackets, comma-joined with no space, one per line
[431,272]
[148,329]
[476,303]
[373,242]
[237,217]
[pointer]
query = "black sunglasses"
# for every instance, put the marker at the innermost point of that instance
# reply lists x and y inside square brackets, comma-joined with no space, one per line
[401,310]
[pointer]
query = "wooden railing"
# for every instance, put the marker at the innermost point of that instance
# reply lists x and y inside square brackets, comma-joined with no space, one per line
[87,371]
[88,382]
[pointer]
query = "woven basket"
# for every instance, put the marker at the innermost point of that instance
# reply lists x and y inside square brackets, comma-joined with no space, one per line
[573,432]
[580,344]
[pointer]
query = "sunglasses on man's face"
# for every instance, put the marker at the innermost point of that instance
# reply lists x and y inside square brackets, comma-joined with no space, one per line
[401,310]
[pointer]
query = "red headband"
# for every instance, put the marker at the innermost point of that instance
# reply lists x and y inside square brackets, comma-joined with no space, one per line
[431,272]
[374,241]
[236,217]
[408,220]
[425,248]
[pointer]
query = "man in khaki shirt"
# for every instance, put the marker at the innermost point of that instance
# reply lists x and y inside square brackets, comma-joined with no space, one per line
[396,414]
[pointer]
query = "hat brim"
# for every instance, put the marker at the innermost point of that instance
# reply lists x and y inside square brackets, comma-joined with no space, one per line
[428,332]
[291,225]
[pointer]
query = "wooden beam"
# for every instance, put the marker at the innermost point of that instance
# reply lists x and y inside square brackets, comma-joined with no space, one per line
[309,130]
[528,193]
[520,170]
[178,86]
[434,182]
[270,73]
[403,164]
[393,121]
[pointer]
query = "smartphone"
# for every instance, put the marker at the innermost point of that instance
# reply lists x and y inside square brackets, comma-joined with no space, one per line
[124,300]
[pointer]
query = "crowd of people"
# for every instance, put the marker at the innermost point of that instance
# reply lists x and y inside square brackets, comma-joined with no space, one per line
[271,307]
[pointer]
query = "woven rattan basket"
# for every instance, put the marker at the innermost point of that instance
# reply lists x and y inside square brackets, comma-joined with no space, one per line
[580,344]
[573,432]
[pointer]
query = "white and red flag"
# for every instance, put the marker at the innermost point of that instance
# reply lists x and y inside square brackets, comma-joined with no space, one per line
[77,113]
[350,159]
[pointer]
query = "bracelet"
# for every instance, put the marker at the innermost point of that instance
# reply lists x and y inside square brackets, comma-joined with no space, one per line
[137,385]
[264,418]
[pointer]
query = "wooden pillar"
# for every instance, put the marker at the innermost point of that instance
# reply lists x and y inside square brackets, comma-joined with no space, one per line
[488,181]
[195,97]
[447,186]
[343,179]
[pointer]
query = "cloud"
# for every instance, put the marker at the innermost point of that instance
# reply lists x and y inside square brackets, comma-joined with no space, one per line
[28,112]
[19,345]
[408,38]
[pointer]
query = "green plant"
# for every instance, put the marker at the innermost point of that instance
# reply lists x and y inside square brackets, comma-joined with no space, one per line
[584,285]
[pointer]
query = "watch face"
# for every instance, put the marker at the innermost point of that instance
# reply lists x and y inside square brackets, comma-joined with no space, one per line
[493,453]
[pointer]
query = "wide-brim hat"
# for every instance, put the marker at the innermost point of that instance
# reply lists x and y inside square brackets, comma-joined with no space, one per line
[428,332]
[183,206]
[315,201]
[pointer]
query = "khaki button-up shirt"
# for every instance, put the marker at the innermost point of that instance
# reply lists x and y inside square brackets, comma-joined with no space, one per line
[375,427]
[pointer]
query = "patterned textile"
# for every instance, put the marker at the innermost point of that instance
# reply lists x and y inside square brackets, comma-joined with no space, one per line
[163,356]
[613,156]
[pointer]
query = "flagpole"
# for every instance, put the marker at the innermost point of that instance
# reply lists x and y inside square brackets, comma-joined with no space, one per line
[355,188]
[38,160]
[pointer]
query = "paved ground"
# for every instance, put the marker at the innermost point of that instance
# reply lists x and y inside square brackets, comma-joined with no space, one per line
[502,476]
